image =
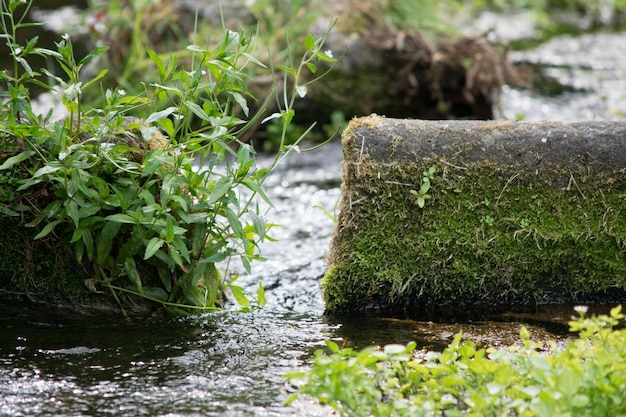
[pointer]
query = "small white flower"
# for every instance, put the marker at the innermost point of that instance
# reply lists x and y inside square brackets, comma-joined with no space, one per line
[233,35]
[66,36]
[203,72]
[63,155]
[18,51]
[328,53]
[581,309]
[121,92]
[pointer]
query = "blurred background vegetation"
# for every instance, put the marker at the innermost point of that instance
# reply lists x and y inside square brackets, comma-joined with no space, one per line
[400,58]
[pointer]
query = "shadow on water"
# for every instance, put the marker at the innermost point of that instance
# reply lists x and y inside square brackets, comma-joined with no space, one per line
[486,330]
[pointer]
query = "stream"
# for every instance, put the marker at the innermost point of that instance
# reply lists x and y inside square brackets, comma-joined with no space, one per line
[231,363]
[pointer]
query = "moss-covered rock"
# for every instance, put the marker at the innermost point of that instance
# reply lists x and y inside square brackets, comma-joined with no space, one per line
[516,213]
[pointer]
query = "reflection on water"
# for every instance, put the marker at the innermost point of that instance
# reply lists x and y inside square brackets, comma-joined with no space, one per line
[211,365]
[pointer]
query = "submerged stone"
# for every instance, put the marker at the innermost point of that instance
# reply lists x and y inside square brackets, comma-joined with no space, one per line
[443,217]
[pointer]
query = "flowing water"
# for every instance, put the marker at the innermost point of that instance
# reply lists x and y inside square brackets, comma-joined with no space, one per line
[231,363]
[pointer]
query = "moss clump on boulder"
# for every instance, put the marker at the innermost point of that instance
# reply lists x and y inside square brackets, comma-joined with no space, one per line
[45,272]
[516,214]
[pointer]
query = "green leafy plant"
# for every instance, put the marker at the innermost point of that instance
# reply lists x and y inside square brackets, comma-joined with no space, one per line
[158,207]
[585,378]
[489,220]
[422,195]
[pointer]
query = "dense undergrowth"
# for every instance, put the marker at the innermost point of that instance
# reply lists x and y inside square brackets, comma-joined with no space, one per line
[157,207]
[414,27]
[584,378]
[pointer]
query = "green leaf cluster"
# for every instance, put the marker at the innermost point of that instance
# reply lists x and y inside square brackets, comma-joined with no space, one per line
[420,196]
[585,378]
[157,207]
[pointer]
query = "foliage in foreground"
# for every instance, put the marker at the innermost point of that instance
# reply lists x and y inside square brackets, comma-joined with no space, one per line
[586,378]
[153,207]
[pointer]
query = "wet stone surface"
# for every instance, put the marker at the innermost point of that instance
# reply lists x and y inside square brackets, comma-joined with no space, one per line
[588,71]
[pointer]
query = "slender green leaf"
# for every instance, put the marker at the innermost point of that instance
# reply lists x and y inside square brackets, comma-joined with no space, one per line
[332,346]
[258,224]
[287,69]
[221,187]
[242,102]
[311,67]
[47,52]
[88,210]
[194,296]
[156,293]
[99,50]
[121,218]
[9,162]
[5,211]
[133,274]
[44,170]
[197,110]
[76,235]
[47,229]
[158,62]
[99,76]
[234,223]
[105,239]
[239,295]
[71,210]
[152,247]
[182,248]
[24,63]
[176,257]
[87,239]
[169,230]
[309,42]
[254,186]
[182,202]
[260,296]
[322,56]
[154,117]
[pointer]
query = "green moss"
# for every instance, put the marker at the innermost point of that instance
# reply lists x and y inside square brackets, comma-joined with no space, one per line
[489,235]
[32,267]
[46,272]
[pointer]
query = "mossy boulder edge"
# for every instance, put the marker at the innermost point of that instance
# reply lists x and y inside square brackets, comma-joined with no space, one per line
[517,214]
[45,274]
